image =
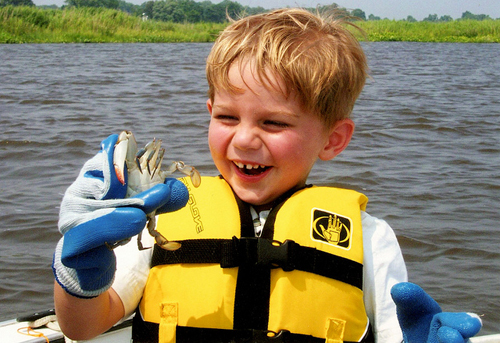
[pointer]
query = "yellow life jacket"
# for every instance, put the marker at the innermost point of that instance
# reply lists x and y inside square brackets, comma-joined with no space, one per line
[301,279]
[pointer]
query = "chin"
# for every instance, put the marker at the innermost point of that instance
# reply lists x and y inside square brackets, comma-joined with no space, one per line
[252,200]
[261,202]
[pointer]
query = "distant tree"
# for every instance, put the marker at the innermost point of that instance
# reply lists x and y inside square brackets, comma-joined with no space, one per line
[254,10]
[191,10]
[410,19]
[147,8]
[161,11]
[233,9]
[177,11]
[129,7]
[446,18]
[111,4]
[432,18]
[326,8]
[93,3]
[358,14]
[373,17]
[210,13]
[336,10]
[4,3]
[49,7]
[469,15]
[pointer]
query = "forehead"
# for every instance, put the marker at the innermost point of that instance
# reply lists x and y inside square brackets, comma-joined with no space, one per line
[243,75]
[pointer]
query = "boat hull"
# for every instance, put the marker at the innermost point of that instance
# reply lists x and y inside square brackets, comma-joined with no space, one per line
[121,333]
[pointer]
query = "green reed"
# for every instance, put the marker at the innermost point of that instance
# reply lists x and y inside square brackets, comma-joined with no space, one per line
[460,31]
[100,25]
[94,25]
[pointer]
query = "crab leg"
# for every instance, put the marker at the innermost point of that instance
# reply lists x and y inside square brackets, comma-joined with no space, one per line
[159,238]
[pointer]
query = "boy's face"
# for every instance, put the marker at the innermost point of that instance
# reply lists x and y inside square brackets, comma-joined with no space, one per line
[262,143]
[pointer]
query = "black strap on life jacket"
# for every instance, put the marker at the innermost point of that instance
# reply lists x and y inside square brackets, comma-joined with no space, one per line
[253,251]
[145,332]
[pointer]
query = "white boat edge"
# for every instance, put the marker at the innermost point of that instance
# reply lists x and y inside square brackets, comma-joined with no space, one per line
[13,331]
[120,333]
[486,339]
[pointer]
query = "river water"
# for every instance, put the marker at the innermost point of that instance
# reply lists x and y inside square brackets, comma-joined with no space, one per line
[426,152]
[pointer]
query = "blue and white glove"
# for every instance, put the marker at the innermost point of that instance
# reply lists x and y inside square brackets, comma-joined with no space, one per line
[94,215]
[422,320]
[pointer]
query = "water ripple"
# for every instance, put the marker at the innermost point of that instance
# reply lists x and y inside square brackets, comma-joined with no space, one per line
[426,151]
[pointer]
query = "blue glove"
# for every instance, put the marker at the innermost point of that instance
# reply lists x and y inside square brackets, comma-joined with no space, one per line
[422,320]
[94,215]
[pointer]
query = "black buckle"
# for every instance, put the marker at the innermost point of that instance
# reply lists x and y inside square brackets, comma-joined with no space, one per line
[258,252]
[274,253]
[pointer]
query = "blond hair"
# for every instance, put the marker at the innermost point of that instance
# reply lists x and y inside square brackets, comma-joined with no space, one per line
[317,59]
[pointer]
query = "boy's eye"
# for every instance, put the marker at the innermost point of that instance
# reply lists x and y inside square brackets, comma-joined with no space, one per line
[224,117]
[276,123]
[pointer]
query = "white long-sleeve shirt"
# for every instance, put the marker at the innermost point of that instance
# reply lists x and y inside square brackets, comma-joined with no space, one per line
[383,266]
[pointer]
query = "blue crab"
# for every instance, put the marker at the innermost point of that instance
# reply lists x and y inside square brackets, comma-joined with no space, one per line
[144,171]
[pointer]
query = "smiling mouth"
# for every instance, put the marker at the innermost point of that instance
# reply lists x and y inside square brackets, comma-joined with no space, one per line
[251,169]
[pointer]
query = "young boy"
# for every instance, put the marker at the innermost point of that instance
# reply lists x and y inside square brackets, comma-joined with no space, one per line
[263,256]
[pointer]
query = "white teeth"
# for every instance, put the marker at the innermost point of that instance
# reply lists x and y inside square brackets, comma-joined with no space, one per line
[248,166]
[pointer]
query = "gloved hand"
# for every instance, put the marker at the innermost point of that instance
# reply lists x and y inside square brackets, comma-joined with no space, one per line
[94,215]
[422,320]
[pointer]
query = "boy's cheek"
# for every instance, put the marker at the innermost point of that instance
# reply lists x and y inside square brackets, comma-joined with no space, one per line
[213,144]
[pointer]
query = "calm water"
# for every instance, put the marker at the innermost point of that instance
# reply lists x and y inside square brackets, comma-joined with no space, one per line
[426,152]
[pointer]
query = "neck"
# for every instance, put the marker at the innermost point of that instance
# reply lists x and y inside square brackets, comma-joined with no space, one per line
[278,200]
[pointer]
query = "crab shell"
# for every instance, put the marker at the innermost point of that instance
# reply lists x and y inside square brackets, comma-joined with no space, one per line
[143,169]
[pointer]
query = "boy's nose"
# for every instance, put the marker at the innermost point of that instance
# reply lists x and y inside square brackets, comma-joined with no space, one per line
[246,139]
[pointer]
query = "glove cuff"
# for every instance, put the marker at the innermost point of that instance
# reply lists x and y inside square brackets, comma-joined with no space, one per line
[69,280]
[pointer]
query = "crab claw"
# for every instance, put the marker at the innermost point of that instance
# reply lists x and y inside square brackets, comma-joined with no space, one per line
[125,149]
[191,172]
[195,177]
[186,170]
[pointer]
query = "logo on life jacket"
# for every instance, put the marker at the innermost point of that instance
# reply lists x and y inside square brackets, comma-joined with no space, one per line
[331,228]
[195,212]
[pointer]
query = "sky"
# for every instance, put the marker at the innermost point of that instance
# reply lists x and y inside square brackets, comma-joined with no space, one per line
[391,9]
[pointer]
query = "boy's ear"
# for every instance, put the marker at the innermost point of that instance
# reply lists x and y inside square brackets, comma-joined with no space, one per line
[338,139]
[209,106]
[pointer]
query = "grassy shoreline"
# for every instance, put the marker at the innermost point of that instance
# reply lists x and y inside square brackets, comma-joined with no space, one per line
[95,25]
[457,31]
[99,25]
